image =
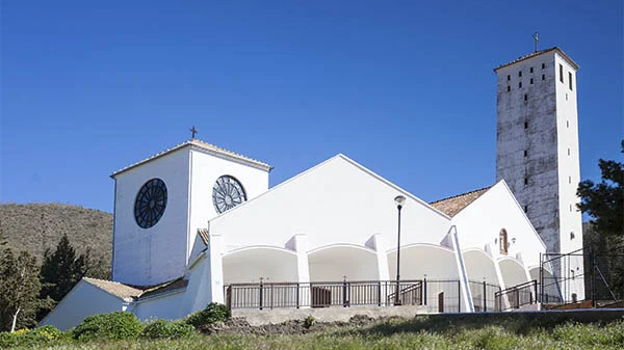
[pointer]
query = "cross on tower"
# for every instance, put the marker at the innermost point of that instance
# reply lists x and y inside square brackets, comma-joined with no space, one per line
[536,38]
[193,132]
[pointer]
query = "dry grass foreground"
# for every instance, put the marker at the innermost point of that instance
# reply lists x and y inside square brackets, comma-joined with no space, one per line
[420,333]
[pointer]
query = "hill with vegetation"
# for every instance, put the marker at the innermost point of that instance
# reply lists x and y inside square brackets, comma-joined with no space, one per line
[39,226]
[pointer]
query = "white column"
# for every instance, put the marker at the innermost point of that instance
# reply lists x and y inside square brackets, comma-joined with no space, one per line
[299,243]
[379,244]
[215,255]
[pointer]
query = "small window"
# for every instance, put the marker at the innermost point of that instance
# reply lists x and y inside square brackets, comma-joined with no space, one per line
[526,181]
[543,76]
[572,236]
[567,123]
[570,80]
[520,73]
[569,179]
[526,97]
[520,84]
[526,125]
[526,153]
[531,81]
[508,88]
[526,208]
[566,97]
[568,151]
[570,208]
[531,70]
[561,73]
[543,65]
[502,241]
[508,77]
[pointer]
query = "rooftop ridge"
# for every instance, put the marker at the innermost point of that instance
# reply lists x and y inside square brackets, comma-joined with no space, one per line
[537,53]
[461,194]
[203,146]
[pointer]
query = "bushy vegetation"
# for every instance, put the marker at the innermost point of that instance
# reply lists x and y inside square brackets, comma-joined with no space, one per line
[212,313]
[37,336]
[115,325]
[160,329]
[468,333]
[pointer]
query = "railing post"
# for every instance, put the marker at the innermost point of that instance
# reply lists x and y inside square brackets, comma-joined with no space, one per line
[261,294]
[298,291]
[378,293]
[535,289]
[517,298]
[271,297]
[484,297]
[425,291]
[344,292]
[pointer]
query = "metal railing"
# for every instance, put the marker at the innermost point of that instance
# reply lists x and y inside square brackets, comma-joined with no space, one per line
[322,294]
[516,296]
[484,295]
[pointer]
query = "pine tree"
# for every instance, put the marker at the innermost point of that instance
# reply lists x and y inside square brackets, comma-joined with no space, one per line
[19,288]
[59,270]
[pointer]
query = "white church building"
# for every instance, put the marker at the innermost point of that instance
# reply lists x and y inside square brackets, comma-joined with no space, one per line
[196,224]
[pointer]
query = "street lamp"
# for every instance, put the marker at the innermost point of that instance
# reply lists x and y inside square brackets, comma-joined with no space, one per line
[399,200]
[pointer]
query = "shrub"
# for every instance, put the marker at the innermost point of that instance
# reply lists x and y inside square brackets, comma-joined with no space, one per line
[115,325]
[166,329]
[309,321]
[25,337]
[212,313]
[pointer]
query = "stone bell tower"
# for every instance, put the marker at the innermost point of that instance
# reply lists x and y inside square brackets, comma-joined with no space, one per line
[538,152]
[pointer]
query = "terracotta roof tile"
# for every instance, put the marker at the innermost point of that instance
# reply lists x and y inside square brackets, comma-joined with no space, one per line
[203,233]
[453,205]
[125,291]
[204,146]
[115,288]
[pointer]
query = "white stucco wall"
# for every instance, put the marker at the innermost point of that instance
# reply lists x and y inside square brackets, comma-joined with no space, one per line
[481,222]
[205,170]
[168,307]
[335,202]
[82,301]
[157,254]
[570,219]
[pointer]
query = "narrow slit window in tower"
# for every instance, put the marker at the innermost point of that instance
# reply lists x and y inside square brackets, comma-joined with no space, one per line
[508,88]
[520,73]
[526,97]
[561,73]
[570,80]
[531,69]
[543,65]
[531,81]
[508,77]
[543,76]
[520,84]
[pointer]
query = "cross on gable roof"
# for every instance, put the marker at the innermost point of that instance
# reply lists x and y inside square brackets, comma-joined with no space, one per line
[205,147]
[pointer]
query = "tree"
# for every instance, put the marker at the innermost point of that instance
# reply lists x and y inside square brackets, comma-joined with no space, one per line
[19,288]
[604,201]
[62,269]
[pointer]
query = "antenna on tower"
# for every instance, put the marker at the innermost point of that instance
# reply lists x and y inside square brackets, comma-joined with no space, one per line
[536,38]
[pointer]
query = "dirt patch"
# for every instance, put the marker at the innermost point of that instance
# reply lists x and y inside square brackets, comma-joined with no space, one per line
[239,325]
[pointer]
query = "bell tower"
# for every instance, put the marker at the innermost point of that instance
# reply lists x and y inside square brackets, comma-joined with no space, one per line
[537,152]
[161,202]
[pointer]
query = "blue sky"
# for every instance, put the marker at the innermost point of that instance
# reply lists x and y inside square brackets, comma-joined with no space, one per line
[405,88]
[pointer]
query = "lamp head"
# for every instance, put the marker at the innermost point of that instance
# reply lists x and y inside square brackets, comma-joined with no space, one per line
[399,200]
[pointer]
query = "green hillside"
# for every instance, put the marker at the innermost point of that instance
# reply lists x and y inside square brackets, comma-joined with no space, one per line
[36,227]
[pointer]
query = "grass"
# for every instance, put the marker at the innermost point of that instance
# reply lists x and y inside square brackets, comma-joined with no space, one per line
[420,333]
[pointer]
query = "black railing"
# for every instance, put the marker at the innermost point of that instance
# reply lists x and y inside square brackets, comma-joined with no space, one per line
[517,296]
[483,296]
[322,294]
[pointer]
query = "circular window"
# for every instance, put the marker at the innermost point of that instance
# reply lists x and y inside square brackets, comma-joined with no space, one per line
[150,203]
[227,193]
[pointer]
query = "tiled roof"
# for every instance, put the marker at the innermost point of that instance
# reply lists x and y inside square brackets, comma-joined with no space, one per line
[537,53]
[203,234]
[165,287]
[125,291]
[204,146]
[453,205]
[115,288]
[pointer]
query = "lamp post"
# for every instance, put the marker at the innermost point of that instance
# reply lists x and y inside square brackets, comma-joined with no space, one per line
[399,200]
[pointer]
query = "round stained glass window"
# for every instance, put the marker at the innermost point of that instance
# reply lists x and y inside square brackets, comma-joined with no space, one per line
[150,203]
[227,193]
